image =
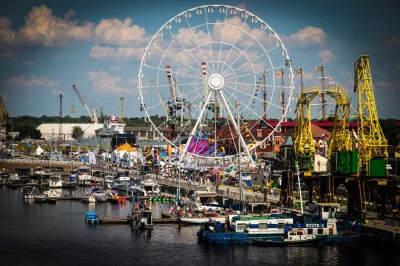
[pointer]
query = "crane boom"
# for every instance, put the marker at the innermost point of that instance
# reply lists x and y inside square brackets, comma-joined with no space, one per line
[92,118]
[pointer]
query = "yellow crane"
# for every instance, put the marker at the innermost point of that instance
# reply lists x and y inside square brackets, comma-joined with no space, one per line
[303,141]
[372,144]
[340,153]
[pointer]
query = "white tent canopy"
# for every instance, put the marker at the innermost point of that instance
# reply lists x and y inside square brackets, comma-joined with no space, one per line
[39,151]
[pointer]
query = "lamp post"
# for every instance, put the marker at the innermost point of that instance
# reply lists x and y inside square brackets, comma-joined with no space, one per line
[12,138]
[237,103]
[298,183]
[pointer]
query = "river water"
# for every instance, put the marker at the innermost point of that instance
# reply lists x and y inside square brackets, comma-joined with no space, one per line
[56,234]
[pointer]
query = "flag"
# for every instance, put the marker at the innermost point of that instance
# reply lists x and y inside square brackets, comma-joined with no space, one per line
[299,71]
[319,68]
[278,73]
[328,77]
[323,136]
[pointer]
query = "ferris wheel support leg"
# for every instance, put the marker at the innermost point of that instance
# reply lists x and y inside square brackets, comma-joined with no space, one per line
[195,127]
[244,146]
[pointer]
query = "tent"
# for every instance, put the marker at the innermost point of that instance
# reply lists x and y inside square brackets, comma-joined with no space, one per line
[39,151]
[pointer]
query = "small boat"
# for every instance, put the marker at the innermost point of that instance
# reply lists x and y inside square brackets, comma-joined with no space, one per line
[89,199]
[42,198]
[91,218]
[294,237]
[141,217]
[56,182]
[29,192]
[99,195]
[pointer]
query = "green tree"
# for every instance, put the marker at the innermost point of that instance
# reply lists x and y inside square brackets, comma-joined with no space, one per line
[77,132]
[390,131]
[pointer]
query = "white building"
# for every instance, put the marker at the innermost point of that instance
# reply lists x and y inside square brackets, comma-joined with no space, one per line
[51,131]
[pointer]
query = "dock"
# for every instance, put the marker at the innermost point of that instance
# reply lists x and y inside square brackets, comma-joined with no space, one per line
[127,221]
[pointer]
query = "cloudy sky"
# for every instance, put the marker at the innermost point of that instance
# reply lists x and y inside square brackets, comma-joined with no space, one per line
[46,46]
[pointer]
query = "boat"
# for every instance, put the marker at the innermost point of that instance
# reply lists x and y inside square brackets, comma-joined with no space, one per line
[150,186]
[2,181]
[89,199]
[83,177]
[122,183]
[70,183]
[29,192]
[244,229]
[41,198]
[92,218]
[98,194]
[53,193]
[293,237]
[56,182]
[141,217]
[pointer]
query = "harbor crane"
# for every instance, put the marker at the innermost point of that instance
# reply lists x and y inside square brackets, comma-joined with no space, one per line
[303,140]
[93,118]
[372,144]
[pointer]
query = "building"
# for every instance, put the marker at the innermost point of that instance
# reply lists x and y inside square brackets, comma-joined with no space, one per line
[145,134]
[51,131]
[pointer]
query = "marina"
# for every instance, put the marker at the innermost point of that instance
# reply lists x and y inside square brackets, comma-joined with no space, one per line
[245,134]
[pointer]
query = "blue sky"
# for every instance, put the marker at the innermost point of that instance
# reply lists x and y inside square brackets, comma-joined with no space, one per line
[46,46]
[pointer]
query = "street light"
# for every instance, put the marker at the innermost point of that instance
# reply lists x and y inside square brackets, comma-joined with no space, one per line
[12,138]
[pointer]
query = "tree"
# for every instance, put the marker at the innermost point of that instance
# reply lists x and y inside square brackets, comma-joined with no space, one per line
[77,132]
[390,131]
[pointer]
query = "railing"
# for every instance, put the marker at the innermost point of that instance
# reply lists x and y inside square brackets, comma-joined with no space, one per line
[43,162]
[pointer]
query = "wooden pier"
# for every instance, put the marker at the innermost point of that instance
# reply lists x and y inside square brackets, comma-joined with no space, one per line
[127,221]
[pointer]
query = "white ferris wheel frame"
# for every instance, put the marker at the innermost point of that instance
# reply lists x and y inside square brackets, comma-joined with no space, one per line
[205,9]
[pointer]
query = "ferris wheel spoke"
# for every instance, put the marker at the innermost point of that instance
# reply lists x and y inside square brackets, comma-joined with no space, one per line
[254,39]
[237,36]
[181,84]
[177,59]
[234,122]
[186,50]
[245,93]
[260,85]
[209,40]
[160,69]
[195,127]
[258,116]
[194,35]
[222,39]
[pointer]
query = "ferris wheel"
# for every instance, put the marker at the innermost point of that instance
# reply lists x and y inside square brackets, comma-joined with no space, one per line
[213,76]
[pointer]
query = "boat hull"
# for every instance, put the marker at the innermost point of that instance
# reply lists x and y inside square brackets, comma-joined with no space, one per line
[282,242]
[201,220]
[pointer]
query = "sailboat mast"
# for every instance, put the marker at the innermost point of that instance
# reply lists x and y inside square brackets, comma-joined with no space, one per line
[283,96]
[265,95]
[323,94]
[237,103]
[301,79]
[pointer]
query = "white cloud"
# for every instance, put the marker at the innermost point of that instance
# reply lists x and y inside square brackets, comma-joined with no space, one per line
[56,92]
[115,68]
[103,82]
[306,37]
[121,33]
[326,56]
[7,35]
[107,53]
[242,5]
[43,28]
[394,41]
[32,81]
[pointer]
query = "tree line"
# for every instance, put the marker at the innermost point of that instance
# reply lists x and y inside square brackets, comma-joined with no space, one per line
[26,125]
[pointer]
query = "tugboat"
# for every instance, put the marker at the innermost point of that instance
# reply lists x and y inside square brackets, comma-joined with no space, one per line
[141,217]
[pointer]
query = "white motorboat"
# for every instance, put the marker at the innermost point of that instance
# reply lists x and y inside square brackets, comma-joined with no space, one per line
[53,193]
[197,220]
[56,182]
[150,186]
[99,195]
[122,183]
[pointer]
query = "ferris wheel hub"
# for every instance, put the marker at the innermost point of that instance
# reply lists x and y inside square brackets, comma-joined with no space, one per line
[216,81]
